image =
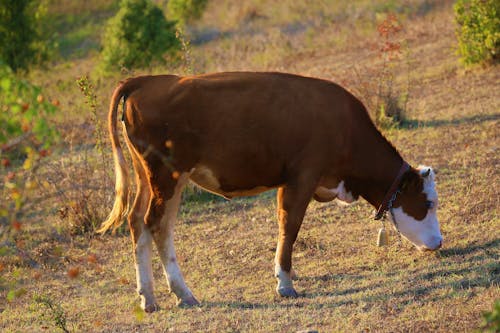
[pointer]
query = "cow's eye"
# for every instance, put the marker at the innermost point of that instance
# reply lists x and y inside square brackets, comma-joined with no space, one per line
[429,204]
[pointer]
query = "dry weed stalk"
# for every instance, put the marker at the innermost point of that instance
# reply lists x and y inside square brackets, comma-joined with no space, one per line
[378,87]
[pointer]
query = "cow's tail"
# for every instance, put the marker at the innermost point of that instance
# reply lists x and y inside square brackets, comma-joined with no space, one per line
[122,186]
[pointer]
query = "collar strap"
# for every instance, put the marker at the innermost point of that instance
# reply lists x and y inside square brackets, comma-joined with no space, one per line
[384,206]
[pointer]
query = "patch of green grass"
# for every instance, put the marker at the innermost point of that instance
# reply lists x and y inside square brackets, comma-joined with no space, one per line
[78,29]
[79,43]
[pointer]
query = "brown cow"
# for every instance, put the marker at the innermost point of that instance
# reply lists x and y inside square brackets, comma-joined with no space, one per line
[237,134]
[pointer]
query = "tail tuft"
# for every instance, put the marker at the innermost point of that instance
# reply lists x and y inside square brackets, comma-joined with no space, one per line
[122,188]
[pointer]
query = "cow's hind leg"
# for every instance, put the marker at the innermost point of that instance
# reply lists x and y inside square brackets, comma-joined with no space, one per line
[292,202]
[141,236]
[162,221]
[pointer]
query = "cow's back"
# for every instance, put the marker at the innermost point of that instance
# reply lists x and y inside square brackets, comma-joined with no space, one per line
[248,129]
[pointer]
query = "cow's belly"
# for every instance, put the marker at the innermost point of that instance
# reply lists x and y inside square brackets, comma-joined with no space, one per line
[206,179]
[324,194]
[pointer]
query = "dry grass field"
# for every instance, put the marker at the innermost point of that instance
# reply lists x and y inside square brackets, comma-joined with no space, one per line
[67,278]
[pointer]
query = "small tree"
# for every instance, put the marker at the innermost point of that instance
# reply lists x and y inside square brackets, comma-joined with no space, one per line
[21,41]
[138,35]
[478,30]
[185,11]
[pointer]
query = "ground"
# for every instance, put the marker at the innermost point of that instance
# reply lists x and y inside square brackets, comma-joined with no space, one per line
[226,248]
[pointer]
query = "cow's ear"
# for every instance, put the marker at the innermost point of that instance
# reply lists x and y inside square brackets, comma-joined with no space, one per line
[426,173]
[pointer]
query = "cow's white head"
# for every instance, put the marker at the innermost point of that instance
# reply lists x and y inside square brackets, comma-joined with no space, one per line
[415,209]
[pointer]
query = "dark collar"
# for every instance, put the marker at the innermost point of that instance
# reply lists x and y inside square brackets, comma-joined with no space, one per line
[390,195]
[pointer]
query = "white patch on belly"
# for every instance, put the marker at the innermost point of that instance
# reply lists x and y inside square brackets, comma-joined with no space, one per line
[205,178]
[338,192]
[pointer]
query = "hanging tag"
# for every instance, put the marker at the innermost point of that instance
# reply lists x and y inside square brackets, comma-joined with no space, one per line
[383,238]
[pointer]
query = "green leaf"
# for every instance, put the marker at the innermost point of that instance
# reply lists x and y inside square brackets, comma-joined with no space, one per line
[4,250]
[139,313]
[11,295]
[16,108]
[6,83]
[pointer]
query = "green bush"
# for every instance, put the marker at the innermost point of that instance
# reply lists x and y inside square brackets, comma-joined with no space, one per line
[185,11]
[25,136]
[22,41]
[478,30]
[24,111]
[138,35]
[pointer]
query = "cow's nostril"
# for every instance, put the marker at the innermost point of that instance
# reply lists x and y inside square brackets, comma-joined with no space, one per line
[425,248]
[437,247]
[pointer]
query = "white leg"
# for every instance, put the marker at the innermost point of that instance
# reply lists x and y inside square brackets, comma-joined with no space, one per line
[285,283]
[173,273]
[144,271]
[141,236]
[164,239]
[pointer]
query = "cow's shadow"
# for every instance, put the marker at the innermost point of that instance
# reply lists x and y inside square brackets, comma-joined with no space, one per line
[415,124]
[472,248]
[483,270]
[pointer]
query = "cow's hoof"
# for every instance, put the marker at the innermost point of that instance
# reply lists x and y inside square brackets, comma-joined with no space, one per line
[287,292]
[150,308]
[187,302]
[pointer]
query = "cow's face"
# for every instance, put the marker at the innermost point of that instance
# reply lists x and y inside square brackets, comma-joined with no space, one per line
[415,210]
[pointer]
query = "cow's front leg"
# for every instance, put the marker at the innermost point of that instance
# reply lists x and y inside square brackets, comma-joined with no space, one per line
[292,202]
[163,235]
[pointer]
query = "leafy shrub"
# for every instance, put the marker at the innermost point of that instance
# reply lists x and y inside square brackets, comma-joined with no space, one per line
[24,112]
[138,35]
[478,30]
[21,41]
[25,136]
[85,207]
[185,11]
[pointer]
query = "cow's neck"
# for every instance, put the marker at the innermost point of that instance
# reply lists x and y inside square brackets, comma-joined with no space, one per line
[375,168]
